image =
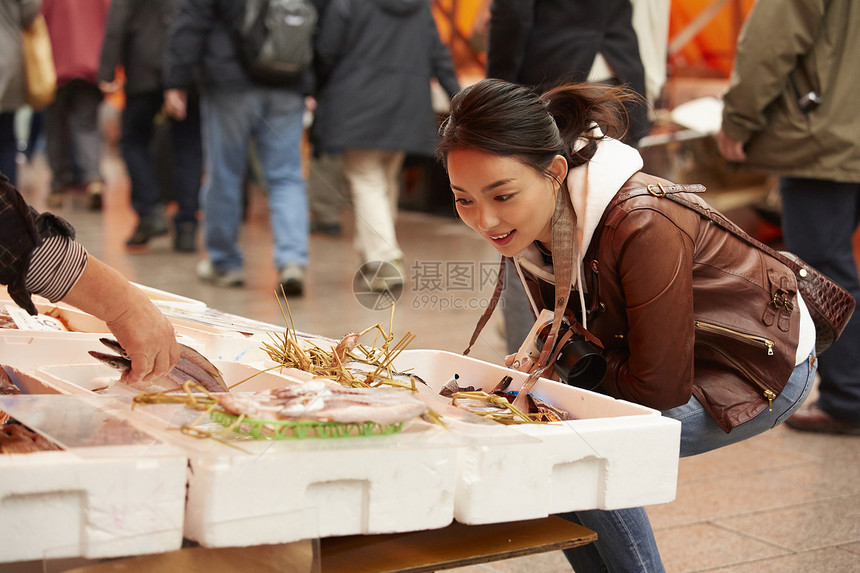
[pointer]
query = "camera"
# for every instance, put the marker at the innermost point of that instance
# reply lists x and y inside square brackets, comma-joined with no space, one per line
[579,362]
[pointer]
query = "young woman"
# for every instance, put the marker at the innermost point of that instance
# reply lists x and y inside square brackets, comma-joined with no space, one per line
[692,320]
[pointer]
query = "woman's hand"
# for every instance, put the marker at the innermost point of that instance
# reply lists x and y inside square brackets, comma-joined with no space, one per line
[525,365]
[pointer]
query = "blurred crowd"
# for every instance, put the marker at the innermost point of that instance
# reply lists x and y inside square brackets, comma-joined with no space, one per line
[198,120]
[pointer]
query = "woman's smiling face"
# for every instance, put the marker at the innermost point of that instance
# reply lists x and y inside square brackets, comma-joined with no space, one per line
[507,202]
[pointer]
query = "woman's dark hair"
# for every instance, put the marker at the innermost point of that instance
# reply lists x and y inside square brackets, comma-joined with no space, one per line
[501,118]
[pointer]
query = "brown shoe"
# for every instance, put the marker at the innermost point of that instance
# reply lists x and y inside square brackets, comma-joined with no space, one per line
[95,192]
[816,420]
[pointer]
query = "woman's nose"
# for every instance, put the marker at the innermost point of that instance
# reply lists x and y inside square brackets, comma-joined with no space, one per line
[487,218]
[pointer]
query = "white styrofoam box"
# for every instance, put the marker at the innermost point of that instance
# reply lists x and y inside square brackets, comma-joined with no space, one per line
[615,454]
[168,300]
[285,491]
[237,342]
[125,496]
[60,318]
[96,376]
[31,350]
[248,492]
[222,344]
[261,491]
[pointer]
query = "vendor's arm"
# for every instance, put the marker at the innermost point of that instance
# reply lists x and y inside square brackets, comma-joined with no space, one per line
[38,255]
[142,330]
[653,259]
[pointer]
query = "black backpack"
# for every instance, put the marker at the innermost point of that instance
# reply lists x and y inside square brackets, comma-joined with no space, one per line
[275,39]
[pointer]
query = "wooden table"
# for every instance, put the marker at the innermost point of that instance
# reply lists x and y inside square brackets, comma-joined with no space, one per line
[419,551]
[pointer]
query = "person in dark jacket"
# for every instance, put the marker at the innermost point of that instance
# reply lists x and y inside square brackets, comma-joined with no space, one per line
[236,110]
[683,309]
[134,39]
[543,43]
[375,62]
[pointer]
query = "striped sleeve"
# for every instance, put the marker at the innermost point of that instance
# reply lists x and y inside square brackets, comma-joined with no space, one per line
[55,267]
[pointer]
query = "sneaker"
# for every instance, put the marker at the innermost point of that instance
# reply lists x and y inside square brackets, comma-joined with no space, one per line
[388,276]
[291,280]
[149,227]
[186,238]
[208,274]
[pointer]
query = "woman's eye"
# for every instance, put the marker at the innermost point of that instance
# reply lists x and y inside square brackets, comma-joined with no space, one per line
[461,201]
[502,198]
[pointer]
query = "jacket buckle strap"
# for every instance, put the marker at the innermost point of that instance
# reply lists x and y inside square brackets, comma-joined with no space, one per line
[781,299]
[657,190]
[781,306]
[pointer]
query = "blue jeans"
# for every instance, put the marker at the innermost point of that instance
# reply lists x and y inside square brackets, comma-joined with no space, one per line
[272,119]
[625,541]
[819,218]
[138,132]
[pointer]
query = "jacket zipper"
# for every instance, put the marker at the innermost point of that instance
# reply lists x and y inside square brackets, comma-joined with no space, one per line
[769,394]
[761,340]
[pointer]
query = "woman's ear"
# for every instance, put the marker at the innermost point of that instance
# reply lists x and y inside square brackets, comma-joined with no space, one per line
[558,168]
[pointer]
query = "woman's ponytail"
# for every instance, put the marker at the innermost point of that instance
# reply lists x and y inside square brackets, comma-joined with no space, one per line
[578,108]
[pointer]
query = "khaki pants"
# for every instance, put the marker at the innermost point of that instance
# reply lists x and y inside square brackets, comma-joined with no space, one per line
[374,178]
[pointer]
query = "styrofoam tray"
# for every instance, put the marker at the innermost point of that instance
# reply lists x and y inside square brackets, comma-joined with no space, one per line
[102,379]
[124,496]
[283,491]
[257,491]
[167,300]
[28,350]
[615,454]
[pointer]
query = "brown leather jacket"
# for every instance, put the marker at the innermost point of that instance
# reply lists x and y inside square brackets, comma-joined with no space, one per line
[684,307]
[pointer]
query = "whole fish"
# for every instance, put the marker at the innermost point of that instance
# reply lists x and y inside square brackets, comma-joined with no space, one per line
[192,366]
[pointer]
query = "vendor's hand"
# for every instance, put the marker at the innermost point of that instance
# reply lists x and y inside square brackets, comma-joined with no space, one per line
[109,88]
[140,328]
[176,103]
[148,339]
[731,149]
